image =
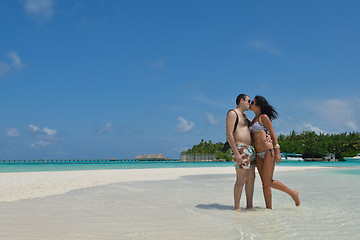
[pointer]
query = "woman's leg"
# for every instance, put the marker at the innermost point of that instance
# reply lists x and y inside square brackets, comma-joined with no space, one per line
[269,165]
[260,167]
[268,171]
[282,187]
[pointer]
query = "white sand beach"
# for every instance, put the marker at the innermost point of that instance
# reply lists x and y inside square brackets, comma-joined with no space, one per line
[175,203]
[27,185]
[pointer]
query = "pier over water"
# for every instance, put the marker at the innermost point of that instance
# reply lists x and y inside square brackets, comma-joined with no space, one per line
[85,161]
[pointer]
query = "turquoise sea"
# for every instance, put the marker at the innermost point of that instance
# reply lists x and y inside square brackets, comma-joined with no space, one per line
[38,167]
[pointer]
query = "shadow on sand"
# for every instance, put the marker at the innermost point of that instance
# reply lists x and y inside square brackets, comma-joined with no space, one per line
[227,207]
[215,206]
[209,177]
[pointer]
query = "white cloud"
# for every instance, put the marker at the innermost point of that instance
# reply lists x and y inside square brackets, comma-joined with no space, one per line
[77,6]
[34,128]
[179,149]
[109,127]
[45,132]
[184,125]
[49,132]
[315,129]
[212,120]
[13,132]
[263,46]
[157,65]
[14,63]
[202,98]
[39,10]
[339,112]
[40,143]
[329,116]
[352,124]
[334,109]
[44,137]
[289,124]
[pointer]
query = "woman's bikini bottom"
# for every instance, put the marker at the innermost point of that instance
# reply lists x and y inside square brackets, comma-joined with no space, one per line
[262,154]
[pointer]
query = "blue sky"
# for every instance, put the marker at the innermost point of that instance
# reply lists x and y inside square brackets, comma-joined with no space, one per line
[102,79]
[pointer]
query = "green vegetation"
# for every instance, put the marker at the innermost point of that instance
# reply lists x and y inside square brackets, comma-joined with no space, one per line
[311,144]
[210,148]
[307,143]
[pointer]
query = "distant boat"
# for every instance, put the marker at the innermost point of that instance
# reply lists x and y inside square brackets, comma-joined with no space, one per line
[357,158]
[291,157]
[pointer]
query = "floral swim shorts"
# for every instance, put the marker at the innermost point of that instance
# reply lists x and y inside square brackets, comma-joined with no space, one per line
[248,157]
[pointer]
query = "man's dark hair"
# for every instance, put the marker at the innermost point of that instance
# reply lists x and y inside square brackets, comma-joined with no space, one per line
[241,96]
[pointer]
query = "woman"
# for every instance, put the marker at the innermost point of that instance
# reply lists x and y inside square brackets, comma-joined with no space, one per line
[267,153]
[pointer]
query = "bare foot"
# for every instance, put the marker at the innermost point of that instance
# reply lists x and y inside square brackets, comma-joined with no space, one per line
[296,198]
[238,209]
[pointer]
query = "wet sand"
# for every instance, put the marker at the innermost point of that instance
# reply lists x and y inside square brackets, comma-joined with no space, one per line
[186,203]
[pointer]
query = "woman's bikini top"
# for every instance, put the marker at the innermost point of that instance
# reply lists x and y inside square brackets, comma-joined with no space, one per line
[257,127]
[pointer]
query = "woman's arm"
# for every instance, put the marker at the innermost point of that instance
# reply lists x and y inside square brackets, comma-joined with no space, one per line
[265,121]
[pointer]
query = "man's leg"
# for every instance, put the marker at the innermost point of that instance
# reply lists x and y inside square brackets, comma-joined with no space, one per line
[249,187]
[241,175]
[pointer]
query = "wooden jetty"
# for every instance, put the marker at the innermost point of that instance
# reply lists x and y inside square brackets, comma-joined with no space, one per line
[53,161]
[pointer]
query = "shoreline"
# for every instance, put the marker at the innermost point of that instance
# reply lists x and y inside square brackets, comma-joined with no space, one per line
[28,185]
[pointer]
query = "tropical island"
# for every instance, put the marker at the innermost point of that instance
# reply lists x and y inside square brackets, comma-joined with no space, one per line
[154,156]
[308,144]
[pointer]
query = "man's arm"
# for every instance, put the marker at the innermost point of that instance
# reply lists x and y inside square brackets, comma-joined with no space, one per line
[230,122]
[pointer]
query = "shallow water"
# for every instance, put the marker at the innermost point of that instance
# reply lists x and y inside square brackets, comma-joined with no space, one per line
[192,207]
[329,208]
[39,167]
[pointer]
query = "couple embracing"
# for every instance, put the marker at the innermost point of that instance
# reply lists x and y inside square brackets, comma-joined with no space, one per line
[243,136]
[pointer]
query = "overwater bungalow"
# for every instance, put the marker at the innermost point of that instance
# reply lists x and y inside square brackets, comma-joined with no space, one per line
[292,156]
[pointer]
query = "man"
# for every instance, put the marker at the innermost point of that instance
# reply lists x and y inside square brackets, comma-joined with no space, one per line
[241,150]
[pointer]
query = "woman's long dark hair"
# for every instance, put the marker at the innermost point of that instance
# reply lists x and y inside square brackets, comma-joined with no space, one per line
[265,107]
